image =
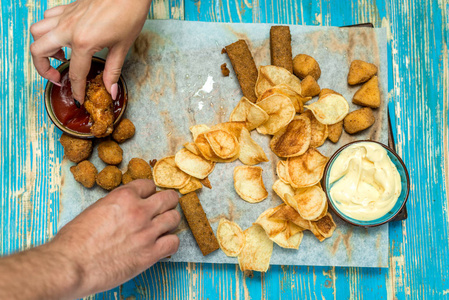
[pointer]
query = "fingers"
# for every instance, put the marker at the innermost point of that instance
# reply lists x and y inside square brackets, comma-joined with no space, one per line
[162,202]
[144,187]
[60,55]
[41,50]
[167,245]
[79,68]
[43,27]
[54,11]
[113,69]
[166,222]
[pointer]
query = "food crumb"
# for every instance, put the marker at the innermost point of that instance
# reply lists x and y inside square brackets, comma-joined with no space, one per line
[223,51]
[224,70]
[153,162]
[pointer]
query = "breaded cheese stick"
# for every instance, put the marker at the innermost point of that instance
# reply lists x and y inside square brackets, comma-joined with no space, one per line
[281,47]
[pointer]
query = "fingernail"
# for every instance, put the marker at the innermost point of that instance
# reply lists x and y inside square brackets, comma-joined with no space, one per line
[114,90]
[77,103]
[55,83]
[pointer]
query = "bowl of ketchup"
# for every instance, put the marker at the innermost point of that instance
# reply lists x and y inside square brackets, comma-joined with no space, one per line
[64,112]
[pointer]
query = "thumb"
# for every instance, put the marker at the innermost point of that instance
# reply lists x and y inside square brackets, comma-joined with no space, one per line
[113,69]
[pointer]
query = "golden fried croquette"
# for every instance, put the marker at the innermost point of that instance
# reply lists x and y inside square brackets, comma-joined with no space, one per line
[98,103]
[110,153]
[360,72]
[139,169]
[304,65]
[335,131]
[309,87]
[75,149]
[124,131]
[327,91]
[85,173]
[126,178]
[368,94]
[358,120]
[109,178]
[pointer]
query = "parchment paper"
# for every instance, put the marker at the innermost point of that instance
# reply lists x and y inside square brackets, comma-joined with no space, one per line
[174,81]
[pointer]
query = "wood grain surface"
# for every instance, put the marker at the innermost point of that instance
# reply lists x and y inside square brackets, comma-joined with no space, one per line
[419,265]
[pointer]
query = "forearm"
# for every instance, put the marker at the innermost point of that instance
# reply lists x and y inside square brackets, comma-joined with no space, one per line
[39,273]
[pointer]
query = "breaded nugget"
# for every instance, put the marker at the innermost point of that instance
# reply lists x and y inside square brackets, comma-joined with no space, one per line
[360,72]
[358,120]
[368,94]
[139,169]
[281,47]
[244,67]
[304,65]
[109,178]
[309,87]
[85,173]
[98,103]
[327,91]
[198,223]
[126,178]
[335,131]
[110,153]
[124,131]
[75,149]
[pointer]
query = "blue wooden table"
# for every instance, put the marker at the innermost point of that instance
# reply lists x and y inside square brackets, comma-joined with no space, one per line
[418,32]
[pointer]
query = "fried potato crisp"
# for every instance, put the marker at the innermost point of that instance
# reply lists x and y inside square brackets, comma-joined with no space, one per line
[281,170]
[206,150]
[335,131]
[198,129]
[250,152]
[281,111]
[193,164]
[223,143]
[277,75]
[283,89]
[307,169]
[167,174]
[192,148]
[262,84]
[271,226]
[310,202]
[206,182]
[191,186]
[309,87]
[290,238]
[358,120]
[288,213]
[256,253]
[360,72]
[248,183]
[248,112]
[233,128]
[281,189]
[329,109]
[304,65]
[294,139]
[230,237]
[368,94]
[325,225]
[319,130]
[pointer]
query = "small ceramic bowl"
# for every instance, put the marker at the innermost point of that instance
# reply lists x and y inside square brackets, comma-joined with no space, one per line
[405,184]
[49,107]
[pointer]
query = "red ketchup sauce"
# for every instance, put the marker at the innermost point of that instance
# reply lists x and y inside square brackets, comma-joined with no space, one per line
[64,106]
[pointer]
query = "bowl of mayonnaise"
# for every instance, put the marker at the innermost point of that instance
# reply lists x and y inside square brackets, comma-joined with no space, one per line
[366,183]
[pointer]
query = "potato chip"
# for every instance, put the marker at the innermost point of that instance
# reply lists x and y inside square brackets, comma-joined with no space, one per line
[307,169]
[319,131]
[248,112]
[167,174]
[262,84]
[277,75]
[204,147]
[287,240]
[256,253]
[292,229]
[233,128]
[310,202]
[230,237]
[193,164]
[206,182]
[271,226]
[281,188]
[315,232]
[193,185]
[329,109]
[250,152]
[192,148]
[294,139]
[297,100]
[223,143]
[280,110]
[288,213]
[197,129]
[248,183]
[325,225]
[281,170]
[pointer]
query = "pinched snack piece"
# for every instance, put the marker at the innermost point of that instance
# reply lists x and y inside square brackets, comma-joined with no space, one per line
[294,139]
[85,173]
[335,131]
[109,178]
[319,130]
[139,169]
[250,152]
[193,164]
[329,109]
[110,153]
[281,47]
[283,89]
[280,110]
[167,174]
[304,65]
[360,72]
[310,202]
[277,75]
[271,226]
[288,213]
[282,189]
[223,144]
[281,170]
[230,237]
[256,253]
[124,131]
[307,169]
[248,183]
[98,103]
[248,112]
[290,238]
[193,185]
[75,149]
[368,94]
[309,87]
[359,120]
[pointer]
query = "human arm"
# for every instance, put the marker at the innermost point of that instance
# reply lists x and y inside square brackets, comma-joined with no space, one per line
[112,241]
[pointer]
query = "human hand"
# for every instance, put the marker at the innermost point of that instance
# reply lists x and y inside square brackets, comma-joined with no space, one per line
[87,26]
[120,235]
